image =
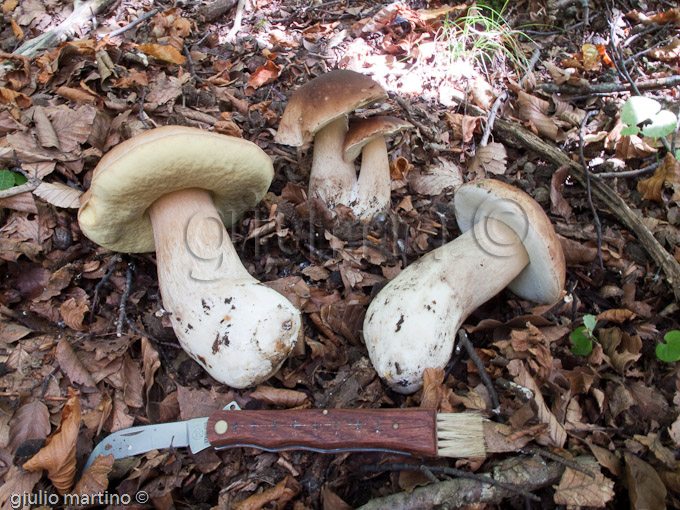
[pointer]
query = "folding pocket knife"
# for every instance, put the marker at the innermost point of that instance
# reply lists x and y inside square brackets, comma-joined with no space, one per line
[411,431]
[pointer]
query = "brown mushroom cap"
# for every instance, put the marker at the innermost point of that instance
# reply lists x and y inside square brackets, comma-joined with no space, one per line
[322,100]
[543,279]
[130,177]
[363,131]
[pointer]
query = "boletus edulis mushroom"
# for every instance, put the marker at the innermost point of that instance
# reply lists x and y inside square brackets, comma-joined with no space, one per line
[171,190]
[507,241]
[318,110]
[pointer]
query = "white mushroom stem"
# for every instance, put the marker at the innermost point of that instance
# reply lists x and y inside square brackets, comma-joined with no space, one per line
[372,193]
[239,330]
[412,323]
[331,178]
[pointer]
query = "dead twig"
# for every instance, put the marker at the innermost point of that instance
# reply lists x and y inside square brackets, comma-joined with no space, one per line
[427,133]
[629,173]
[134,23]
[492,117]
[111,265]
[122,316]
[557,458]
[606,88]
[586,169]
[240,8]
[465,342]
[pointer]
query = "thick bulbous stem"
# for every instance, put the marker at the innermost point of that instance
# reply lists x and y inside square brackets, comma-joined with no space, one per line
[331,178]
[412,323]
[239,330]
[373,185]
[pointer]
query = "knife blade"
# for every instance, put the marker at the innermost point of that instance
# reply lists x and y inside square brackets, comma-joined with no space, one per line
[409,431]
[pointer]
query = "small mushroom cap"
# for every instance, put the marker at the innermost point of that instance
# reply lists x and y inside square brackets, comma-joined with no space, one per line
[363,131]
[130,177]
[543,279]
[321,101]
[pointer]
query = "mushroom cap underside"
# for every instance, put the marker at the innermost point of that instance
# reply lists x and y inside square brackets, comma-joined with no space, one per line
[543,279]
[363,131]
[321,101]
[130,177]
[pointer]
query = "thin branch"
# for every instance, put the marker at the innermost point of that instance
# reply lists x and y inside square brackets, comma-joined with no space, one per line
[372,468]
[237,21]
[134,23]
[465,342]
[122,316]
[586,169]
[492,117]
[659,83]
[557,458]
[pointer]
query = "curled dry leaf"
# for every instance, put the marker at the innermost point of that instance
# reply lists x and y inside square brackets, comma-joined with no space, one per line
[264,74]
[617,315]
[579,489]
[623,349]
[433,388]
[556,435]
[645,488]
[279,397]
[669,52]
[59,195]
[534,109]
[96,478]
[463,126]
[73,312]
[281,493]
[18,98]
[58,457]
[667,175]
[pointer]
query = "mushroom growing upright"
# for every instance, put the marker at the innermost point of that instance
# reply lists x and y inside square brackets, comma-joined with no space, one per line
[170,189]
[507,240]
[319,110]
[367,136]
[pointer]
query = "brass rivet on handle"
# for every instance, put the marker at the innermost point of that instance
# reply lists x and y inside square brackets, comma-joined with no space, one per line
[395,426]
[221,427]
[325,411]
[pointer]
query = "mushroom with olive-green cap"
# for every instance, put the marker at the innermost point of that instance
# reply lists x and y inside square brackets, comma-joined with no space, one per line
[318,110]
[507,241]
[172,189]
[367,136]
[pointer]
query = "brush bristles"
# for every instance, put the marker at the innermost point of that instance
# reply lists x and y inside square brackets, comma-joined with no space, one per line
[460,435]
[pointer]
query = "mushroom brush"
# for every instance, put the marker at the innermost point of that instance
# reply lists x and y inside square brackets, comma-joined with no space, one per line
[170,189]
[507,241]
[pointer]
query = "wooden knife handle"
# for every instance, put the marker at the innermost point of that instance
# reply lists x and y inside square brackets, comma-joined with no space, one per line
[410,430]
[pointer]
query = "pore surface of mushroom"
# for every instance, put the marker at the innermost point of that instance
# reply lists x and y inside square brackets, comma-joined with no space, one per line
[507,240]
[319,110]
[172,189]
[367,136]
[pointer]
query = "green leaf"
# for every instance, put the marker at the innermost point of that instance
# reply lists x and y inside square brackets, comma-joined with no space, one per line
[630,130]
[589,321]
[670,351]
[6,179]
[663,123]
[582,344]
[638,109]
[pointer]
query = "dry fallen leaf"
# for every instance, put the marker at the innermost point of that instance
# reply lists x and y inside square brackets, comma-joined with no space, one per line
[19,98]
[438,177]
[164,53]
[279,396]
[645,489]
[669,52]
[558,205]
[58,457]
[281,493]
[667,175]
[30,421]
[534,109]
[71,365]
[579,489]
[491,158]
[59,195]
[95,479]
[264,74]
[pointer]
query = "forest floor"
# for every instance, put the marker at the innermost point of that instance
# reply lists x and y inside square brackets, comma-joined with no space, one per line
[588,403]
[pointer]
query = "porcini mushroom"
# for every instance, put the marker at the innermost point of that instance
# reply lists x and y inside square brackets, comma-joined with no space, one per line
[367,136]
[507,240]
[319,110]
[170,189]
